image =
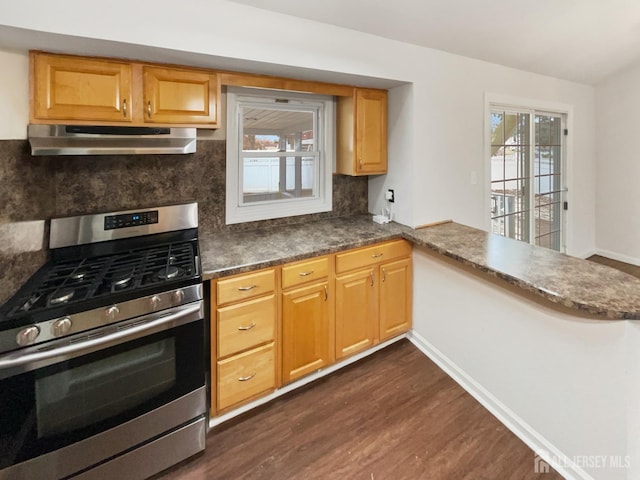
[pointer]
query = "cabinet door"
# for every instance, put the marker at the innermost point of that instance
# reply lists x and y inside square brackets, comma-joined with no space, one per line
[180,96]
[76,88]
[356,314]
[395,298]
[371,131]
[305,330]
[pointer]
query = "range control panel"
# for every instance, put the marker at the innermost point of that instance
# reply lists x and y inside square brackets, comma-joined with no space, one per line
[111,222]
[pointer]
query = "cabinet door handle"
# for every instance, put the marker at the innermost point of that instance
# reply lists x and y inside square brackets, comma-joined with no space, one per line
[306,274]
[384,275]
[371,277]
[326,293]
[376,255]
[246,289]
[246,379]
[247,327]
[149,108]
[124,108]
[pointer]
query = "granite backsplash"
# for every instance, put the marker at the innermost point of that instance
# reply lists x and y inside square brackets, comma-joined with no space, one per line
[35,189]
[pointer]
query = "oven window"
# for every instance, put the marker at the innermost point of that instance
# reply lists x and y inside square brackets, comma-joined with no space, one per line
[57,405]
[92,392]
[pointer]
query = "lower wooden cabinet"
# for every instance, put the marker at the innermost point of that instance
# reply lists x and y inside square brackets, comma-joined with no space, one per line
[244,338]
[305,330]
[274,326]
[355,312]
[395,298]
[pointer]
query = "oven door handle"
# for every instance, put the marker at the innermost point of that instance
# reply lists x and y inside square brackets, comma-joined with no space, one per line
[21,361]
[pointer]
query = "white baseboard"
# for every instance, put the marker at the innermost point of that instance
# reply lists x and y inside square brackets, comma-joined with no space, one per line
[542,448]
[618,256]
[585,255]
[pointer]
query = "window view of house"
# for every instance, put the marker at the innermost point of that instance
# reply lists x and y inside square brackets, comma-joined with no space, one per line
[527,176]
[279,154]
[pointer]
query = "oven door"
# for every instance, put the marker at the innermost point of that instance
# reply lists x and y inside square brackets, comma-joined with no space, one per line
[57,397]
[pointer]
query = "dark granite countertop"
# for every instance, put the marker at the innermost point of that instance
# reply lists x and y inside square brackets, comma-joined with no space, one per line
[238,252]
[568,281]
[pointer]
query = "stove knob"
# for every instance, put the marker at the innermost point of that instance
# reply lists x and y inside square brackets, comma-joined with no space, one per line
[112,313]
[27,336]
[61,327]
[155,302]
[177,297]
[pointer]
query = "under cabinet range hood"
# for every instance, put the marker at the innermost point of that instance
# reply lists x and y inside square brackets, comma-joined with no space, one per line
[98,140]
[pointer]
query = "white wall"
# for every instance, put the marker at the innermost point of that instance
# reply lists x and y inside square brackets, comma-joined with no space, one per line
[567,385]
[439,138]
[618,172]
[14,95]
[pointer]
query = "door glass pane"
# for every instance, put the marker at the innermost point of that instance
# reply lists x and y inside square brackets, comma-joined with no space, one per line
[548,181]
[510,168]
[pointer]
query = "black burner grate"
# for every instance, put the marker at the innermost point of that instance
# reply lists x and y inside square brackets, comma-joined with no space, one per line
[73,282]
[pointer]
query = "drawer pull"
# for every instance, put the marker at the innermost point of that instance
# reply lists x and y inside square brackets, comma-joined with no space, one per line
[376,255]
[248,327]
[124,108]
[306,274]
[371,277]
[326,293]
[246,289]
[384,275]
[149,108]
[246,379]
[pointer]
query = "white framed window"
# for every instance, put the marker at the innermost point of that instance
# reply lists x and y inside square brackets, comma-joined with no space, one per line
[280,154]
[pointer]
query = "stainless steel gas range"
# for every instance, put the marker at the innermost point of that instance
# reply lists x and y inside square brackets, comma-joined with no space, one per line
[102,352]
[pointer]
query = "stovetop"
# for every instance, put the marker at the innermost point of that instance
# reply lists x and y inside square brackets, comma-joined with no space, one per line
[107,259]
[65,287]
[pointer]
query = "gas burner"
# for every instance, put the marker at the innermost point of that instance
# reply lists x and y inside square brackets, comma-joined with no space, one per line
[121,278]
[77,276]
[61,296]
[172,260]
[169,273]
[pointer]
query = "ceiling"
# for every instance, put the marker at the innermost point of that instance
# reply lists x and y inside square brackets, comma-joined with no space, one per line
[579,40]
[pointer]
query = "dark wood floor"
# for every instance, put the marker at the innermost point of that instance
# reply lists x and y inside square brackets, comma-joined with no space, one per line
[625,267]
[394,415]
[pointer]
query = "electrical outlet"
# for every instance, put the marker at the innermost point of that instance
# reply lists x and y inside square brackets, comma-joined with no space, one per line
[390,196]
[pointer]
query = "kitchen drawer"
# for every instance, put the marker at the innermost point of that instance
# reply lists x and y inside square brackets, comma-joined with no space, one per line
[305,271]
[245,286]
[245,325]
[245,375]
[364,257]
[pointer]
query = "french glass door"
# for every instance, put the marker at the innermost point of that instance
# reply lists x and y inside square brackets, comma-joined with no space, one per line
[527,176]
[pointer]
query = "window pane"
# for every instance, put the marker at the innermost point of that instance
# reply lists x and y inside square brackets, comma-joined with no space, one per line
[277,130]
[497,128]
[497,164]
[278,178]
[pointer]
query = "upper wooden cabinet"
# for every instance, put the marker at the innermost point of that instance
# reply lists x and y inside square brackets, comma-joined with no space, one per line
[80,90]
[362,133]
[75,88]
[180,96]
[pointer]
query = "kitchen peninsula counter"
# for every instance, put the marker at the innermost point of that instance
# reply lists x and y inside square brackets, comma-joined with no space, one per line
[589,288]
